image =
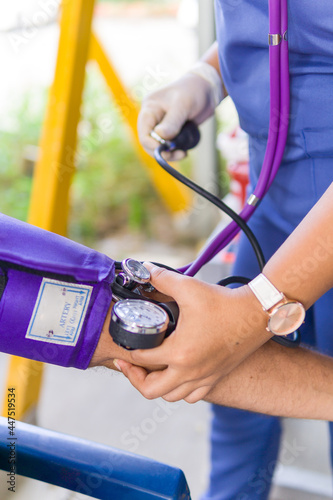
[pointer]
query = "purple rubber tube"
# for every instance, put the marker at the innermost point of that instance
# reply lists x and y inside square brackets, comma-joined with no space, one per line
[285,92]
[278,130]
[283,125]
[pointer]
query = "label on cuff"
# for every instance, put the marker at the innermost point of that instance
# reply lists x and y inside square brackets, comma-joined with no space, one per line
[59,312]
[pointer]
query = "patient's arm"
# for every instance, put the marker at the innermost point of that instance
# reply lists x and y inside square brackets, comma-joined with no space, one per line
[280,381]
[271,379]
[106,350]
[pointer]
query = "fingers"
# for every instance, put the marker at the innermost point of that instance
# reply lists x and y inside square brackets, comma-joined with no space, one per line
[152,358]
[174,155]
[168,282]
[166,117]
[185,290]
[172,122]
[135,374]
[197,395]
[190,392]
[149,117]
[169,128]
[151,385]
[144,383]
[147,121]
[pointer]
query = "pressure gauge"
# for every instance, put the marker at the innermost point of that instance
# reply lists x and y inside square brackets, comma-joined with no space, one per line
[133,270]
[138,324]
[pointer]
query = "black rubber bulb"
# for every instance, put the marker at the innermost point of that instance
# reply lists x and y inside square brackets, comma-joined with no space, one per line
[188,137]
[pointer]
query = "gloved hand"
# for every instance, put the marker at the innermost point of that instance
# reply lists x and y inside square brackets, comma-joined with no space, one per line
[193,97]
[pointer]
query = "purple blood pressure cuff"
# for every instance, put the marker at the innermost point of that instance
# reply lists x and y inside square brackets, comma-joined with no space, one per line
[54,295]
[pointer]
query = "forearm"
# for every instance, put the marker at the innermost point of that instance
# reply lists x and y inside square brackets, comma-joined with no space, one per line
[223,333]
[302,268]
[211,56]
[279,381]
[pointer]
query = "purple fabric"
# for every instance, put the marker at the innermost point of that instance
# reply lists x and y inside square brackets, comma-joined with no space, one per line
[27,254]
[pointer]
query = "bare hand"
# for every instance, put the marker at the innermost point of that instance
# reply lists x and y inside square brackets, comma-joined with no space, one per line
[217,329]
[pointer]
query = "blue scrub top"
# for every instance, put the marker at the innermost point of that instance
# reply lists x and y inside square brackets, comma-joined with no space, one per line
[242,34]
[242,443]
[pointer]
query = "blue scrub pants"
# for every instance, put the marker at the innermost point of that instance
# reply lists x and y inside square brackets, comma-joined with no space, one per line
[244,445]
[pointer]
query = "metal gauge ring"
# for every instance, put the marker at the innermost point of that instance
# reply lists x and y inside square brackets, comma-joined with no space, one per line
[133,270]
[138,324]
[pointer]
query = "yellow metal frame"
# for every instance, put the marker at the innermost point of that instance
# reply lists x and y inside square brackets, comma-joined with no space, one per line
[49,204]
[25,376]
[55,166]
[174,194]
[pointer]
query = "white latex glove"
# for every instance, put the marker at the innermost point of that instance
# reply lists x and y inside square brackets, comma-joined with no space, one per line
[194,97]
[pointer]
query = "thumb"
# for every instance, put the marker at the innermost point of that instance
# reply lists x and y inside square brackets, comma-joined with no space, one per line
[168,282]
[171,124]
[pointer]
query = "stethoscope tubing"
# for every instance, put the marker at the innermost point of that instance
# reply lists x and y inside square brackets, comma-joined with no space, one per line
[214,200]
[276,143]
[277,135]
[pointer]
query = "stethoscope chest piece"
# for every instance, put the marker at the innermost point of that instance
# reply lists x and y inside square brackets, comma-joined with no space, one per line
[133,271]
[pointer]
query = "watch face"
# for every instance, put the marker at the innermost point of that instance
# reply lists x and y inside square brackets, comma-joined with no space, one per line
[286,318]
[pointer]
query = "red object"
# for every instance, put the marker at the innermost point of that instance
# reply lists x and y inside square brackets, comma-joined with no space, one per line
[239,173]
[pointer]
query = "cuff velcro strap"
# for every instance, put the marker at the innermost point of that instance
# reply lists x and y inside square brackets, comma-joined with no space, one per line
[55,295]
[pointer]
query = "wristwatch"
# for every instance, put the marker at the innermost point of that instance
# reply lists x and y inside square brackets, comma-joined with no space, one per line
[285,315]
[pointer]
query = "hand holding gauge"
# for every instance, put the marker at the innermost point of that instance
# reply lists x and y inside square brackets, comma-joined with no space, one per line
[138,321]
[144,325]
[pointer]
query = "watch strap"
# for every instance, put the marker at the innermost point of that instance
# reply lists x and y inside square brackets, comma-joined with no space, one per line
[265,292]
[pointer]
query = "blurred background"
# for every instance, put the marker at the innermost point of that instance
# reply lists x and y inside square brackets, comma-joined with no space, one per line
[111,192]
[116,209]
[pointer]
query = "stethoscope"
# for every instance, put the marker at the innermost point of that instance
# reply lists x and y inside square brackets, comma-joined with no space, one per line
[138,321]
[277,134]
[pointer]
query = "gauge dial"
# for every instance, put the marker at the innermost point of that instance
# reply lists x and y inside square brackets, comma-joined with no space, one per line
[135,270]
[140,316]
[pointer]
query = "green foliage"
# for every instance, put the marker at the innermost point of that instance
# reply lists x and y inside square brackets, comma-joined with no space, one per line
[110,190]
[22,129]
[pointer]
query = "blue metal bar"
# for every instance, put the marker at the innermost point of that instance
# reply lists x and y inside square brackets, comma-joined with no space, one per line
[86,467]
